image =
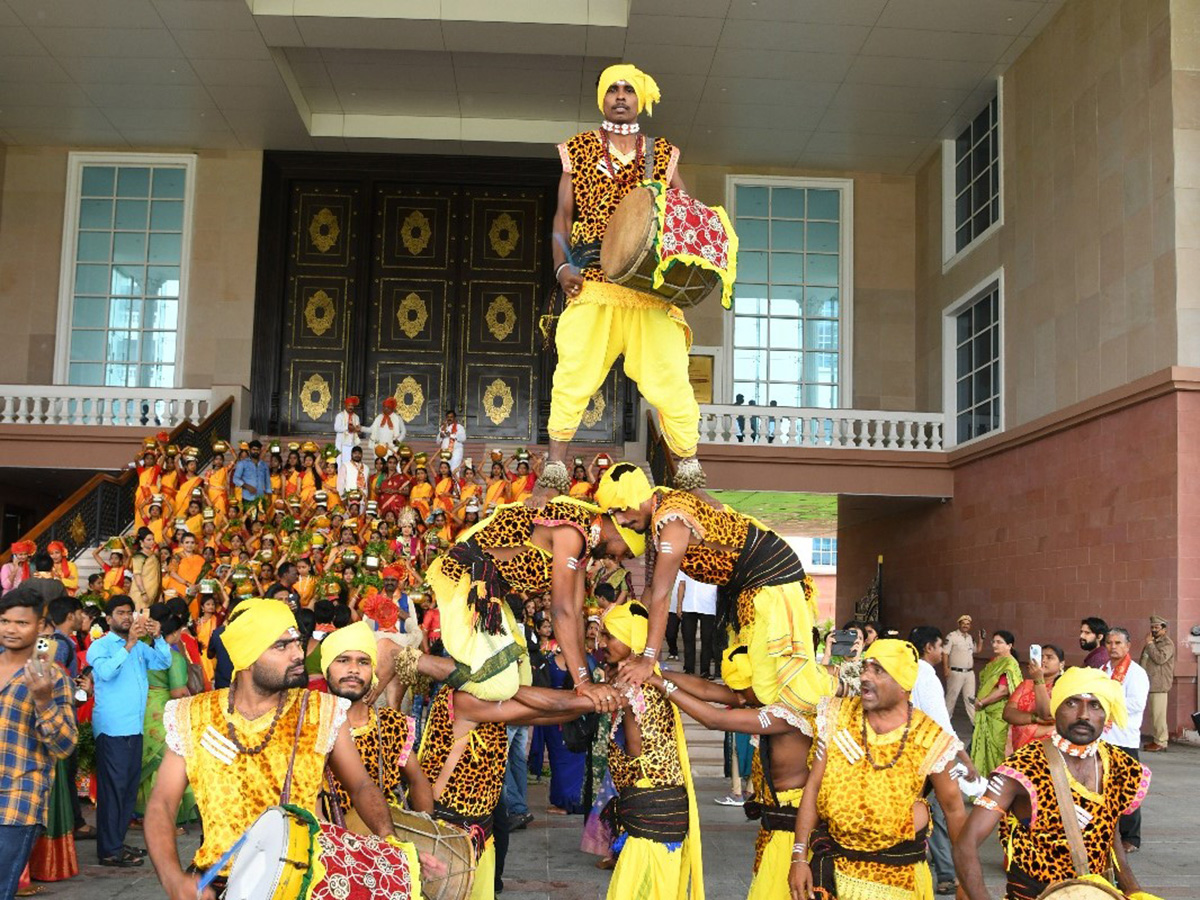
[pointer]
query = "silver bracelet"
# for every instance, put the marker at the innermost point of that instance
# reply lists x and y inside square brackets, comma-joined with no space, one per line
[559,269]
[799,849]
[650,653]
[669,687]
[582,674]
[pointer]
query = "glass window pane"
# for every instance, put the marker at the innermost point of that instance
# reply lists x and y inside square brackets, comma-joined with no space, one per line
[823,237]
[821,334]
[161,314]
[822,302]
[162,281]
[820,396]
[752,234]
[167,215]
[751,201]
[91,279]
[120,376]
[964,394]
[127,281]
[748,389]
[785,334]
[169,183]
[787,235]
[89,312]
[98,181]
[786,300]
[752,267]
[749,332]
[94,246]
[963,359]
[783,395]
[787,268]
[158,346]
[751,305]
[122,346]
[131,215]
[821,269]
[749,365]
[121,312]
[129,247]
[820,366]
[96,214]
[784,366]
[787,203]
[156,376]
[133,181]
[824,204]
[86,373]
[166,248]
[87,345]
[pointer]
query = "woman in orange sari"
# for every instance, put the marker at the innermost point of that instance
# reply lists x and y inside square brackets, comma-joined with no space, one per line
[582,487]
[329,485]
[189,480]
[523,481]
[1028,709]
[469,483]
[309,480]
[293,476]
[497,488]
[149,473]
[218,481]
[168,483]
[421,495]
[445,488]
[62,568]
[209,621]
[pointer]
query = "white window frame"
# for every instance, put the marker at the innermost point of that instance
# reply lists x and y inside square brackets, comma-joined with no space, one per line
[950,359]
[950,256]
[822,566]
[845,274]
[66,282]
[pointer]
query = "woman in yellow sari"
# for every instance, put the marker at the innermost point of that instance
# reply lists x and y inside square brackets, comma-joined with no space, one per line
[444,488]
[469,483]
[208,622]
[582,487]
[308,479]
[149,473]
[168,484]
[62,568]
[421,496]
[523,481]
[497,489]
[190,480]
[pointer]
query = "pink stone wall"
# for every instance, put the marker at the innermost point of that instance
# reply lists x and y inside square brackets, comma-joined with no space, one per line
[1099,519]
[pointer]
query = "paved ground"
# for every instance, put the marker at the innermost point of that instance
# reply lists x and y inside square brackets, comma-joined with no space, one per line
[545,862]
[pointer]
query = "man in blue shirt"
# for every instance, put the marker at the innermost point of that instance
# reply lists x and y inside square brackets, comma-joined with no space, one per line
[253,476]
[119,662]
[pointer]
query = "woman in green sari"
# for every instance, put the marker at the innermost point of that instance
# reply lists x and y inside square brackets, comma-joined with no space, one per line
[997,681]
[165,684]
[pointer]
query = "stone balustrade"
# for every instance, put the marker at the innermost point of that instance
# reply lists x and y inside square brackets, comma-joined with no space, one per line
[834,429]
[72,405]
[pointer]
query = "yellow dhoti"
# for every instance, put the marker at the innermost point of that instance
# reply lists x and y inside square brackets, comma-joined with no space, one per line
[608,320]
[780,644]
[648,870]
[498,663]
[771,877]
[484,885]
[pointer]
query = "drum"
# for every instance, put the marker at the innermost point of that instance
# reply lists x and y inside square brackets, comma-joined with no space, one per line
[446,842]
[1080,889]
[689,246]
[278,854]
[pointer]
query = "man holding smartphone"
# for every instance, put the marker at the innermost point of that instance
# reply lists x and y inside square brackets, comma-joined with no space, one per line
[37,727]
[120,661]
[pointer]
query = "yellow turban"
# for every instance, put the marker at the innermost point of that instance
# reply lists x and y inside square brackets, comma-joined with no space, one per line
[634,541]
[898,659]
[358,636]
[1081,680]
[628,623]
[736,671]
[643,85]
[255,625]
[624,486]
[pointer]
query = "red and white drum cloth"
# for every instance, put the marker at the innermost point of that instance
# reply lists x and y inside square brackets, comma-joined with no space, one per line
[693,233]
[361,868]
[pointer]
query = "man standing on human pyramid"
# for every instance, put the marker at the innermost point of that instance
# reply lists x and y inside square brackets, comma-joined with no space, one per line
[604,320]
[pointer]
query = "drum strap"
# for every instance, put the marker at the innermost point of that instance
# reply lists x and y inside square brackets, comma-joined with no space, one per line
[285,795]
[648,156]
[1066,808]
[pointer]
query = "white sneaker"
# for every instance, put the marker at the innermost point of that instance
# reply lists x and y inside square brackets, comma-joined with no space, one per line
[730,800]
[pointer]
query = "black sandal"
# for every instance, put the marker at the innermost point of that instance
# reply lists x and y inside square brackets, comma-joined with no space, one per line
[124,861]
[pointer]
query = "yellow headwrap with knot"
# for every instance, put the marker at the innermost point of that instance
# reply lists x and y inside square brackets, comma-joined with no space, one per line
[628,623]
[254,626]
[736,670]
[898,659]
[358,636]
[1080,680]
[624,486]
[643,85]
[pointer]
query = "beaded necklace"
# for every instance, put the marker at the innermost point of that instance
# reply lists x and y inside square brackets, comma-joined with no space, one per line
[232,732]
[1079,751]
[899,752]
[615,128]
[639,156]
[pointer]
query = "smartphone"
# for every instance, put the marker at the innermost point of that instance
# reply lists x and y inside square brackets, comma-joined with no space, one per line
[1035,653]
[843,642]
[42,647]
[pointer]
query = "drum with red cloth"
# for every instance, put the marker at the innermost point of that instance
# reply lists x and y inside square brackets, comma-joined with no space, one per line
[665,242]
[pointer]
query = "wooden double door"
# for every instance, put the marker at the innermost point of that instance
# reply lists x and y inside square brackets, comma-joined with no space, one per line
[415,278]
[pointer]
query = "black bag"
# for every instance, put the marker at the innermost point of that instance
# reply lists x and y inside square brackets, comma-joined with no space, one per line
[578,734]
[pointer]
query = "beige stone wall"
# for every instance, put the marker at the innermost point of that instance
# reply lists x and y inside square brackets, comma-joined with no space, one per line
[220,307]
[1088,241]
[884,280]
[1185,95]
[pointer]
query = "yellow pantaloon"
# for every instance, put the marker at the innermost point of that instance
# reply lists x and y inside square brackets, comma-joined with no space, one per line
[606,321]
[782,658]
[771,880]
[484,885]
[647,870]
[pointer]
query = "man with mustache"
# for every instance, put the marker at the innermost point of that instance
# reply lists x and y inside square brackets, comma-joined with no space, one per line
[1105,783]
[384,737]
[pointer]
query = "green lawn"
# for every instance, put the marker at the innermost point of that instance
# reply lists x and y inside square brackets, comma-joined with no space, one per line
[793,514]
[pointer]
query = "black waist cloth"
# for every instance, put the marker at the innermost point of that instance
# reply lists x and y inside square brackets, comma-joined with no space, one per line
[479,827]
[766,559]
[825,850]
[488,584]
[655,813]
[771,817]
